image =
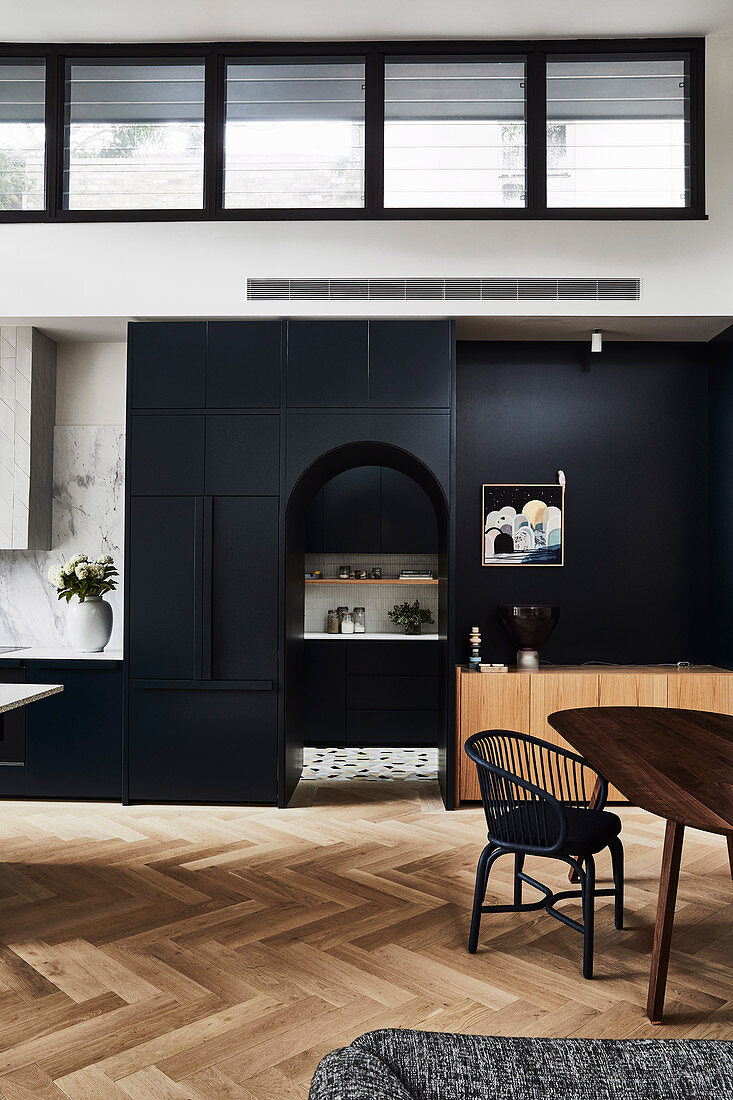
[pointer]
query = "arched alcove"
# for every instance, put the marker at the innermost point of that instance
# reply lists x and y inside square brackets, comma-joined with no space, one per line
[318,473]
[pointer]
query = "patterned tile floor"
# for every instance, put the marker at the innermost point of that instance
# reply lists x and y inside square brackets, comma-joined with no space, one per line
[356,763]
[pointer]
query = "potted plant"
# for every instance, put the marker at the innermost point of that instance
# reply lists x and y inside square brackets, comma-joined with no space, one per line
[89,621]
[410,616]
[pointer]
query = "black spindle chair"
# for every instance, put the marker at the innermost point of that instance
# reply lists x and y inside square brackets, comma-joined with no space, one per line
[535,801]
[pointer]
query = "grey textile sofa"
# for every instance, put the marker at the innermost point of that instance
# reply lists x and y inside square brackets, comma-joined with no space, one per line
[422,1065]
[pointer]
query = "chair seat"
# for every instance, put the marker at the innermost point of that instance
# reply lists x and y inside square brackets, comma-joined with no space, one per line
[536,825]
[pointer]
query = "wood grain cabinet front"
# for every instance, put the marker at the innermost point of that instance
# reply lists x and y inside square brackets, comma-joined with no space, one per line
[522,702]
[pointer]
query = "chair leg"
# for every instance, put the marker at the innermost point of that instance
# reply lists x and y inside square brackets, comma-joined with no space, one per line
[588,884]
[617,862]
[479,893]
[518,867]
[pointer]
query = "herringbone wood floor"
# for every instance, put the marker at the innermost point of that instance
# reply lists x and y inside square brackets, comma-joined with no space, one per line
[159,952]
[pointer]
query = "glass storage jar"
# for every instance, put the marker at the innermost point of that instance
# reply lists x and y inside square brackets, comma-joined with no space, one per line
[359,620]
[347,623]
[332,622]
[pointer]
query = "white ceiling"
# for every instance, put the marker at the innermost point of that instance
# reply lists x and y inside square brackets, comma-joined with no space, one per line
[679,329]
[211,20]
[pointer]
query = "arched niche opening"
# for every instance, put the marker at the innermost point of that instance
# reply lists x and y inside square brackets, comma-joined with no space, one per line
[312,480]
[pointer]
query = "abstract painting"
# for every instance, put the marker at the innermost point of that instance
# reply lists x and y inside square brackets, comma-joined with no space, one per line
[523,524]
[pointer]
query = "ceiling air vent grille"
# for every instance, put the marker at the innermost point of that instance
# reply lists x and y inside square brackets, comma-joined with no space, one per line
[443,290]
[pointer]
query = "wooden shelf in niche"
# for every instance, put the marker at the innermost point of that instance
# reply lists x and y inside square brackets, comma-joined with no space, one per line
[388,580]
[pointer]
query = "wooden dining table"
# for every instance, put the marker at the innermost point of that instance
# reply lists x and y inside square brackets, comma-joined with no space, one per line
[677,764]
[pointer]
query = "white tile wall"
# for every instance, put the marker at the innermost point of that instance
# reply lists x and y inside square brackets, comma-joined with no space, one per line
[378,599]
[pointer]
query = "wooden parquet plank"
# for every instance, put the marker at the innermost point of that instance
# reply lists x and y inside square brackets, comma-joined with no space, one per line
[162,952]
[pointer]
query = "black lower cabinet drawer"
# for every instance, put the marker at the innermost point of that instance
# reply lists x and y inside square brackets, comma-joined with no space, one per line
[405,658]
[392,692]
[391,727]
[202,746]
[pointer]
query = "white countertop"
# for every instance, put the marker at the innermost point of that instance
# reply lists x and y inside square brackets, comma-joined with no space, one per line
[38,653]
[314,637]
[17,695]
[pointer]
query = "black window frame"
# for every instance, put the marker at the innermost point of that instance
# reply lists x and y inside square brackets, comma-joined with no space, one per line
[216,56]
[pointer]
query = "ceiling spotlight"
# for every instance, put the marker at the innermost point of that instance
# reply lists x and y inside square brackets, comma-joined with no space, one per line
[596,340]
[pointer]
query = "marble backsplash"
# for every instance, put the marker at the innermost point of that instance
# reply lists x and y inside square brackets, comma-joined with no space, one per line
[88,511]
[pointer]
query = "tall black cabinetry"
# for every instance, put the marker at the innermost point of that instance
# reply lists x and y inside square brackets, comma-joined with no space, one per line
[202,560]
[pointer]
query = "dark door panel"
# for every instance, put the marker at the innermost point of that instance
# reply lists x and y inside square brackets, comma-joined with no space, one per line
[327,364]
[243,455]
[163,574]
[399,658]
[166,455]
[203,746]
[168,364]
[325,693]
[12,735]
[244,588]
[409,525]
[410,364]
[243,364]
[351,512]
[392,692]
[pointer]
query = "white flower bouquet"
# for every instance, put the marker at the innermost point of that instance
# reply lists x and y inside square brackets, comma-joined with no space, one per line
[83,577]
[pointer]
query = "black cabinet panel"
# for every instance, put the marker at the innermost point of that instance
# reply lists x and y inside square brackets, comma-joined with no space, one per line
[410,364]
[392,658]
[243,364]
[328,364]
[325,693]
[168,363]
[391,727]
[203,746]
[314,543]
[165,548]
[351,512]
[166,455]
[244,588]
[12,735]
[409,525]
[391,692]
[74,740]
[243,455]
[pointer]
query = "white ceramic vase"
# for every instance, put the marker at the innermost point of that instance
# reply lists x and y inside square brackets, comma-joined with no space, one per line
[89,624]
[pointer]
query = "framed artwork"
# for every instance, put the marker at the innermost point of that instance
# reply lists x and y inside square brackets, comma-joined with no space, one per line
[523,525]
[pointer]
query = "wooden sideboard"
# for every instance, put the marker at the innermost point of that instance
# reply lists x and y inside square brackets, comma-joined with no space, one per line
[521,701]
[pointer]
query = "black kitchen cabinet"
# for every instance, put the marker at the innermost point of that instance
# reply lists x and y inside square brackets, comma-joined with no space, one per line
[168,364]
[351,512]
[202,744]
[408,518]
[12,729]
[371,510]
[73,740]
[328,364]
[244,578]
[410,364]
[243,364]
[243,455]
[166,455]
[164,566]
[325,693]
[400,728]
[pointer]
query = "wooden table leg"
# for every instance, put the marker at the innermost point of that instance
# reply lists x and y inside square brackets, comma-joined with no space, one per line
[592,803]
[729,838]
[668,880]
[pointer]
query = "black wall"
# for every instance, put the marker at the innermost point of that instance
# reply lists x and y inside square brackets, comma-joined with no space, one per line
[630,429]
[721,494]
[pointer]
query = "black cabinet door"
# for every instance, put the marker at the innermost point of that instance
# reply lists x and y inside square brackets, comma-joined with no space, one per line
[391,727]
[314,526]
[410,364]
[166,455]
[243,364]
[328,364]
[325,693]
[244,588]
[351,512]
[168,364]
[408,517]
[243,455]
[12,737]
[74,740]
[164,578]
[203,745]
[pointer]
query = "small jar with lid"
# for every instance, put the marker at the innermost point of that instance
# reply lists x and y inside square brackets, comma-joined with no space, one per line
[332,622]
[347,623]
[359,620]
[344,572]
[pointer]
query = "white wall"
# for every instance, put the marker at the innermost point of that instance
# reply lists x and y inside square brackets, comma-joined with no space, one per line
[199,269]
[90,383]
